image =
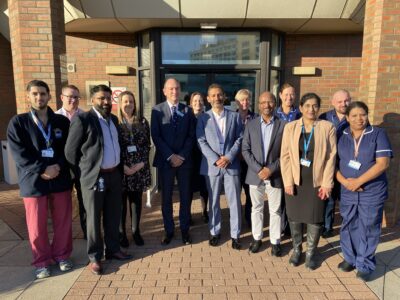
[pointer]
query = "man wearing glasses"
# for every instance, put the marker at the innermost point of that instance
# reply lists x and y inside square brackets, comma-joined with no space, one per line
[70,97]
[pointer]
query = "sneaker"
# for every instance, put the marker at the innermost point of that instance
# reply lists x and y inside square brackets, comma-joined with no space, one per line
[65,265]
[42,272]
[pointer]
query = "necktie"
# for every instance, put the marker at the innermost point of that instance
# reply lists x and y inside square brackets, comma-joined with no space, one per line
[174,117]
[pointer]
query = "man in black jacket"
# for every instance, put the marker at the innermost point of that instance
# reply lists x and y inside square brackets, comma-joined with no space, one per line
[93,150]
[37,139]
[261,147]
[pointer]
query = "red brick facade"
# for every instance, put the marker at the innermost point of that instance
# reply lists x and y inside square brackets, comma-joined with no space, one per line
[336,57]
[7,91]
[38,39]
[91,53]
[379,84]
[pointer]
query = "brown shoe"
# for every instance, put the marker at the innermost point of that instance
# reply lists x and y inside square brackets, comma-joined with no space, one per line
[119,256]
[96,268]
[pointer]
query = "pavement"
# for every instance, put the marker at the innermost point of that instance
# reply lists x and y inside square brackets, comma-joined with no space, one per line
[196,271]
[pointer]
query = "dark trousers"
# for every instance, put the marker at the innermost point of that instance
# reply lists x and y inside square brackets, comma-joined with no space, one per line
[107,202]
[167,177]
[82,211]
[245,186]
[360,232]
[330,207]
[135,210]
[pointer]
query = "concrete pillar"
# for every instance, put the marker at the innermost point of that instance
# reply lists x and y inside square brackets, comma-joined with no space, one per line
[38,46]
[379,84]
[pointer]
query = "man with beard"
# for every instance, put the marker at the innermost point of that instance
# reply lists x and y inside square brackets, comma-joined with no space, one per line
[93,150]
[219,134]
[340,100]
[37,139]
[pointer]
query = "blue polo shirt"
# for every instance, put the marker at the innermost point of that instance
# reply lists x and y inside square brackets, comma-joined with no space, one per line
[294,114]
[332,117]
[374,144]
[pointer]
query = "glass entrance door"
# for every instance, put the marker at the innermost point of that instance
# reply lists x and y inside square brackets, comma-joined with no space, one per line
[231,82]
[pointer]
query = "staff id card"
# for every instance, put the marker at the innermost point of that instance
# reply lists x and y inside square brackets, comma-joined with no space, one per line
[132,148]
[48,153]
[354,164]
[305,162]
[179,113]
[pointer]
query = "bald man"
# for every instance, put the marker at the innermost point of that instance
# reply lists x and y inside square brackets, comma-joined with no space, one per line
[173,133]
[340,101]
[261,148]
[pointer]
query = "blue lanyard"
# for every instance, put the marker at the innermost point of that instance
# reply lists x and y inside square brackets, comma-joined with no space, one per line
[39,124]
[307,142]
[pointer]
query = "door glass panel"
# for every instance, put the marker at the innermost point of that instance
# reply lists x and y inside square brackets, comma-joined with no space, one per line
[190,83]
[276,50]
[274,82]
[232,83]
[210,48]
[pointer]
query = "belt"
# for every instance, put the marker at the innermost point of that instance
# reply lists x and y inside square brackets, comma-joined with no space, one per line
[108,170]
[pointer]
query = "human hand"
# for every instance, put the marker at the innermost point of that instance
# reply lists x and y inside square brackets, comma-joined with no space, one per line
[51,172]
[222,162]
[176,161]
[352,184]
[324,192]
[137,167]
[264,174]
[289,190]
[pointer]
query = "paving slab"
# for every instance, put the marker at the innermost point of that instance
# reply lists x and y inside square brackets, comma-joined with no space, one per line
[6,233]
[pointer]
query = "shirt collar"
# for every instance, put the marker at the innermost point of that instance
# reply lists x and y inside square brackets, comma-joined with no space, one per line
[219,116]
[369,129]
[271,121]
[99,115]
[170,105]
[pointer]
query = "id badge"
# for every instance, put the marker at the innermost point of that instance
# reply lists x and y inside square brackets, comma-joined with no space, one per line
[132,148]
[354,164]
[305,162]
[48,153]
[179,113]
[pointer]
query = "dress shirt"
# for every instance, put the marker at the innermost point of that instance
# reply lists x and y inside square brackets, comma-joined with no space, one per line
[220,121]
[170,107]
[63,112]
[266,133]
[111,149]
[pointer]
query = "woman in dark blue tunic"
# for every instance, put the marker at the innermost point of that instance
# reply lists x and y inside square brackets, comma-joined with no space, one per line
[364,154]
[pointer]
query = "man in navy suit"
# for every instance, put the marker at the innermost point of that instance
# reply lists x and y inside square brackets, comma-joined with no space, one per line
[219,134]
[173,133]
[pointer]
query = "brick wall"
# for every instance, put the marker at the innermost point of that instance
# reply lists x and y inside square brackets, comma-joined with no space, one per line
[336,57]
[91,53]
[6,91]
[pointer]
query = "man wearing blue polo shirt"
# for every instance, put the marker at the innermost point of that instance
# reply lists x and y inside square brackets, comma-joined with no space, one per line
[340,100]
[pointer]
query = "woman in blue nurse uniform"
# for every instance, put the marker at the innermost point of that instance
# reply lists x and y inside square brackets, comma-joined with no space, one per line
[364,153]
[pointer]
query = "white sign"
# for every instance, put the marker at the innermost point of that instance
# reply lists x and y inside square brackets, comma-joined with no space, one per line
[115,93]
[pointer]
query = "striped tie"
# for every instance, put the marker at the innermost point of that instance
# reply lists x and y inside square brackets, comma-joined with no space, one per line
[174,117]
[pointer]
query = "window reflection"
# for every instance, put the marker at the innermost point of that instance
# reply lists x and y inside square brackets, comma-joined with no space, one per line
[210,48]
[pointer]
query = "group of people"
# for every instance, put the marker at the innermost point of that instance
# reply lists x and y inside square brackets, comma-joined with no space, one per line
[302,161]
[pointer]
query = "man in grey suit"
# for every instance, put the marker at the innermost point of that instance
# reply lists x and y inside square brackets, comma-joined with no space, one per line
[173,133]
[219,134]
[261,149]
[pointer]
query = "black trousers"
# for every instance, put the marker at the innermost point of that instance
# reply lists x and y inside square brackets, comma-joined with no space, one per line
[135,210]
[82,211]
[105,203]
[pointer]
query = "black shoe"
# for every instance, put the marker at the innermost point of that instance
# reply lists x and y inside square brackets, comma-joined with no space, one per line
[123,241]
[255,246]
[364,276]
[186,239]
[118,255]
[167,239]
[276,250]
[328,233]
[137,238]
[205,217]
[295,258]
[214,239]
[344,266]
[236,244]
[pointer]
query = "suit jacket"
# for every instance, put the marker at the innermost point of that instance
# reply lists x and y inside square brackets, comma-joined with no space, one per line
[27,142]
[84,147]
[168,140]
[323,163]
[207,137]
[252,151]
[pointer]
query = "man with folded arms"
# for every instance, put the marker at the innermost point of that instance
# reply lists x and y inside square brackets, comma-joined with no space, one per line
[93,150]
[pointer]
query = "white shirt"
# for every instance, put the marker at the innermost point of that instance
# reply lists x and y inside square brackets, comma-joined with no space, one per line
[63,112]
[220,121]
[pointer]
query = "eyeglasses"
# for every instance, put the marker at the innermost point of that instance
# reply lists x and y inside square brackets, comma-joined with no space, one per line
[72,97]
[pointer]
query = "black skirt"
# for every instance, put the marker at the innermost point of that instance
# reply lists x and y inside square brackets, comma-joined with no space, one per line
[305,206]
